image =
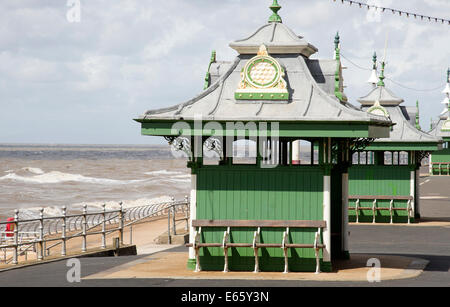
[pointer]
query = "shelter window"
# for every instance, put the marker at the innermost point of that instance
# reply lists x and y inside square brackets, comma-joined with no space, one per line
[244,151]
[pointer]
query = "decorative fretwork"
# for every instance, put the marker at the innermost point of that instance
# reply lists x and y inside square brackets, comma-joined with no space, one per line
[180,144]
[215,145]
[422,155]
[360,144]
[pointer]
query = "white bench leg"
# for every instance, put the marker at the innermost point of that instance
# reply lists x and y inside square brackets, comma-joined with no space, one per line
[357,210]
[256,237]
[374,206]
[317,250]
[391,209]
[197,261]
[285,250]
[225,249]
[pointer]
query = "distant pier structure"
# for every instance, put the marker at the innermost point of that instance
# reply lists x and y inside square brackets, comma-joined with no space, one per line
[267,213]
[440,160]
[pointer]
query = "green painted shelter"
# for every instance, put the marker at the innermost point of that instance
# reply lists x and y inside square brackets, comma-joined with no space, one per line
[384,176]
[255,209]
[440,160]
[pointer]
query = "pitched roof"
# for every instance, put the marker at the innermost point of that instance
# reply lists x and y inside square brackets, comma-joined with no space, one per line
[278,38]
[381,94]
[308,102]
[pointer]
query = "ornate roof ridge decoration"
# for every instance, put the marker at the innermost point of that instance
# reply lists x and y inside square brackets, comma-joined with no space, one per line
[262,78]
[377,109]
[446,91]
[275,7]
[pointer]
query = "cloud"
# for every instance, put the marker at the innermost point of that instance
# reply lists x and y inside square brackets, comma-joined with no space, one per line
[126,57]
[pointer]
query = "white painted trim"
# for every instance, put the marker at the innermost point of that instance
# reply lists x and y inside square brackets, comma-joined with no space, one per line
[193,214]
[417,186]
[327,218]
[345,231]
[296,152]
[430,167]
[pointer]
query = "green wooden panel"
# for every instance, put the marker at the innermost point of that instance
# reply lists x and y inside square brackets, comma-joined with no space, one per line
[442,156]
[379,180]
[252,193]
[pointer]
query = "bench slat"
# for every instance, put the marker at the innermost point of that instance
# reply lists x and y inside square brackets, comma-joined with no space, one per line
[379,197]
[259,223]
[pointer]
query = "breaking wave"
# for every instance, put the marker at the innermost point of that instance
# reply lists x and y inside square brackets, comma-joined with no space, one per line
[59,177]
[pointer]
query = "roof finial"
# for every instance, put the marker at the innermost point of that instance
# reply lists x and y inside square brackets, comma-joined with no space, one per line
[275,7]
[373,77]
[381,82]
[337,41]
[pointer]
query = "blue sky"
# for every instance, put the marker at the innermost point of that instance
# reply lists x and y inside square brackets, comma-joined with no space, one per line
[84,82]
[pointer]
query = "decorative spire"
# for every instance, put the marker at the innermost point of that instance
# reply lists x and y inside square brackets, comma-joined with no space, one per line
[381,82]
[208,74]
[418,116]
[275,7]
[374,78]
[337,41]
[447,86]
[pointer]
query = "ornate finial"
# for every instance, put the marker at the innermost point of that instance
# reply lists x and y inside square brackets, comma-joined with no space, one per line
[373,77]
[208,74]
[418,116]
[263,50]
[337,41]
[448,75]
[374,59]
[275,7]
[381,83]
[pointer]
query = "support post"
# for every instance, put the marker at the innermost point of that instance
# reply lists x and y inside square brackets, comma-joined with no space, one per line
[169,238]
[327,217]
[63,232]
[121,217]
[104,226]
[83,225]
[345,204]
[192,216]
[41,234]
[174,217]
[186,200]
[16,237]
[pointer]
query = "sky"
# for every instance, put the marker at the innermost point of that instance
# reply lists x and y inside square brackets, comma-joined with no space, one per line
[79,71]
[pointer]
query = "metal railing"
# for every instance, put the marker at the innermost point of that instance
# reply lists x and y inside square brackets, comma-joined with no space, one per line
[34,234]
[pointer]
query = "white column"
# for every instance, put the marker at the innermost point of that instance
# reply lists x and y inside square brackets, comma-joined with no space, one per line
[345,232]
[193,214]
[296,152]
[430,167]
[412,189]
[327,217]
[417,186]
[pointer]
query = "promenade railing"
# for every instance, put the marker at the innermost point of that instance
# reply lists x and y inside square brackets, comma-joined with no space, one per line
[32,235]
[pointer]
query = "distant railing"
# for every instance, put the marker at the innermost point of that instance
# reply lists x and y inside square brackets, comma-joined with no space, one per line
[33,234]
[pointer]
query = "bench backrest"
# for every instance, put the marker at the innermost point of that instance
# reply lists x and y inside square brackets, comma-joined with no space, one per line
[259,223]
[379,197]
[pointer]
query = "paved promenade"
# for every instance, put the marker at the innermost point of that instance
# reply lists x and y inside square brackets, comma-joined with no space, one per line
[429,241]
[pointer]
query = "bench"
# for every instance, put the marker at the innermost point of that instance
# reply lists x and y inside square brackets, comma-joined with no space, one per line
[440,168]
[374,207]
[256,244]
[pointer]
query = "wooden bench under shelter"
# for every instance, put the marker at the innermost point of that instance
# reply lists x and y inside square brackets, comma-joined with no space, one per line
[374,207]
[256,243]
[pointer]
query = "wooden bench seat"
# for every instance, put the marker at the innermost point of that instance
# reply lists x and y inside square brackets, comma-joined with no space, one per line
[256,244]
[374,207]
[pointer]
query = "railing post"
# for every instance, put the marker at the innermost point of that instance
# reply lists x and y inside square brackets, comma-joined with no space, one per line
[41,234]
[104,226]
[186,200]
[63,233]
[131,234]
[121,223]
[16,237]
[174,216]
[169,239]
[83,225]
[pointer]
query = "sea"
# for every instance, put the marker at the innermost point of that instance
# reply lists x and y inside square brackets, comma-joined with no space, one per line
[53,176]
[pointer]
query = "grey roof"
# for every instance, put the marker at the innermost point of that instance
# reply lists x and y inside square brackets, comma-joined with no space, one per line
[437,129]
[217,69]
[404,130]
[309,102]
[323,72]
[278,38]
[411,114]
[383,95]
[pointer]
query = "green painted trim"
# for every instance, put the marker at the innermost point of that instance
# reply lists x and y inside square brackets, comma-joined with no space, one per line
[208,75]
[261,96]
[286,129]
[397,146]
[191,264]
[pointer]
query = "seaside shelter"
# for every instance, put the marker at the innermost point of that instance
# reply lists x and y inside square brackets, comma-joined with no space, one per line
[440,160]
[384,176]
[252,208]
